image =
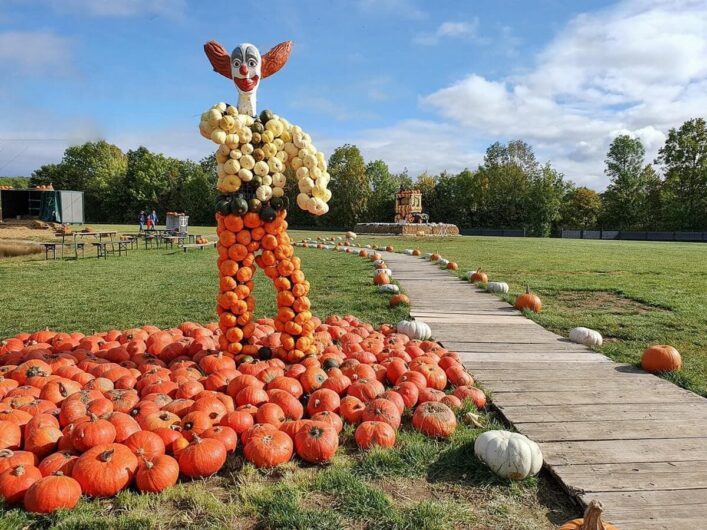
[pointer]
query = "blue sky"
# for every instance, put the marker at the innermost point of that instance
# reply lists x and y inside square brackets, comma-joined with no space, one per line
[422,85]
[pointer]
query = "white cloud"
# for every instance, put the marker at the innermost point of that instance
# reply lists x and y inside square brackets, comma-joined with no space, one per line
[121,8]
[449,30]
[38,53]
[638,67]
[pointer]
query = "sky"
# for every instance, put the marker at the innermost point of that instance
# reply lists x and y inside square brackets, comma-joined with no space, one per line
[424,86]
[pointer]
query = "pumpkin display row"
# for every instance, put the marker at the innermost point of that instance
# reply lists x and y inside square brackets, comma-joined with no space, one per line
[141,407]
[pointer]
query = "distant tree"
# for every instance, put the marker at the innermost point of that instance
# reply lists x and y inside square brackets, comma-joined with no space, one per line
[507,172]
[625,199]
[684,162]
[384,186]
[580,208]
[96,168]
[15,182]
[544,201]
[349,187]
[426,184]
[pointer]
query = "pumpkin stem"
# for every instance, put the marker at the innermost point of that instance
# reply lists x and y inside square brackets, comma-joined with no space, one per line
[62,390]
[527,289]
[107,455]
[592,516]
[93,417]
[149,464]
[19,470]
[58,473]
[6,453]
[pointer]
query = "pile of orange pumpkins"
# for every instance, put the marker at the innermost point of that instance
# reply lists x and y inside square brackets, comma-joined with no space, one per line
[96,414]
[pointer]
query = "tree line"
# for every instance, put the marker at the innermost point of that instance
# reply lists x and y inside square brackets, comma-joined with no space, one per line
[509,189]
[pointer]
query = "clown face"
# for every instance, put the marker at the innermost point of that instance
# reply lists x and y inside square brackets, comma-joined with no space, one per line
[245,67]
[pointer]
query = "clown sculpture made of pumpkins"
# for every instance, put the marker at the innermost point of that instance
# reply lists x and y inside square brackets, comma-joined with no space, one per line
[254,156]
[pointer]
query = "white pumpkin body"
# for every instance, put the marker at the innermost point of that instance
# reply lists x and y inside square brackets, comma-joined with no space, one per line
[390,288]
[586,336]
[407,252]
[350,235]
[497,287]
[509,454]
[384,271]
[428,255]
[443,262]
[468,274]
[415,329]
[379,262]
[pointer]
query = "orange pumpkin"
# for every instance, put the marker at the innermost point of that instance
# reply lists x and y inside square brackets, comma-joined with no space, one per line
[528,301]
[661,358]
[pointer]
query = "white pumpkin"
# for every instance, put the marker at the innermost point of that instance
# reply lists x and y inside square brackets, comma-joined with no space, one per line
[443,262]
[384,271]
[497,287]
[407,252]
[380,249]
[428,255]
[509,454]
[415,329]
[350,235]
[389,288]
[586,336]
[379,262]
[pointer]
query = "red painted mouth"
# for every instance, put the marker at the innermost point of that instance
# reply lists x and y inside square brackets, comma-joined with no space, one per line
[246,84]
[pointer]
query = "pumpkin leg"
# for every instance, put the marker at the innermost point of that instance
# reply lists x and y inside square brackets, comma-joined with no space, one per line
[239,242]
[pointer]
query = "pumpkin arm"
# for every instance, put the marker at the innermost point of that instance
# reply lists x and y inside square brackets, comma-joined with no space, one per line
[219,58]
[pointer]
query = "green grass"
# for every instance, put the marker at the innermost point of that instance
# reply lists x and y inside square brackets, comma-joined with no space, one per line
[419,484]
[634,293]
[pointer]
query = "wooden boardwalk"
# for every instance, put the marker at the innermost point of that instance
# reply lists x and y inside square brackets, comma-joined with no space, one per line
[607,431]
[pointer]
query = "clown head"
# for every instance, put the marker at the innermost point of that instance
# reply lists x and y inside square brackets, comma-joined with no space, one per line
[246,67]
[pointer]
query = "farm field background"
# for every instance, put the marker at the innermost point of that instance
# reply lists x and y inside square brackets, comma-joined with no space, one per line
[420,483]
[635,293]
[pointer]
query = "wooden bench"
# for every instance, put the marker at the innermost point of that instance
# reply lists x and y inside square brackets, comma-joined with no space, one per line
[101,249]
[169,241]
[50,246]
[200,246]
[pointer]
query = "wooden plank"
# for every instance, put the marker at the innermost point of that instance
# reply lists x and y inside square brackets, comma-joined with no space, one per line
[635,476]
[475,320]
[625,451]
[609,382]
[510,347]
[588,397]
[529,372]
[606,411]
[608,430]
[469,358]
[659,509]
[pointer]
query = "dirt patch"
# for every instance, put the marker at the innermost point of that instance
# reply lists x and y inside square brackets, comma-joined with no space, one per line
[10,249]
[604,302]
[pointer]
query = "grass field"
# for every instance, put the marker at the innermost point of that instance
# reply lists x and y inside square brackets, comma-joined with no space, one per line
[419,484]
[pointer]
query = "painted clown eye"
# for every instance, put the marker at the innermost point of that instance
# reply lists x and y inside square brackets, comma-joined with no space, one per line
[236,63]
[252,63]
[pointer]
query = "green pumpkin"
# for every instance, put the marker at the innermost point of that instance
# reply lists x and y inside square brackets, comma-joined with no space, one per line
[223,205]
[257,127]
[267,214]
[266,116]
[239,206]
[254,205]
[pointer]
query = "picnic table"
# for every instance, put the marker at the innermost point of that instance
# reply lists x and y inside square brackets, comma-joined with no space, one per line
[100,235]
